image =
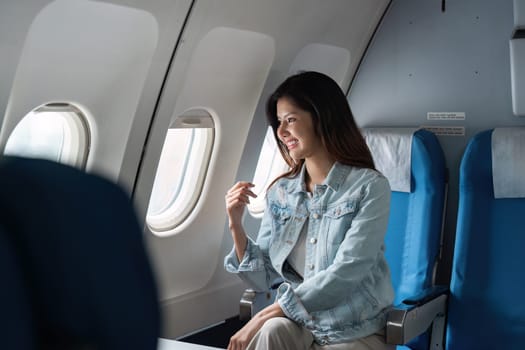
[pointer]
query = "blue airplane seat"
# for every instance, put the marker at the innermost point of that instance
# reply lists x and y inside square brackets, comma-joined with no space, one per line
[414,163]
[487,293]
[74,268]
[15,317]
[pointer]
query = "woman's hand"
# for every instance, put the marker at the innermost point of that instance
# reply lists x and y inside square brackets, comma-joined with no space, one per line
[242,338]
[236,200]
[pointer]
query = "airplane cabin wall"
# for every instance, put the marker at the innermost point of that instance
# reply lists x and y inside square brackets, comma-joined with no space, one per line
[424,60]
[15,21]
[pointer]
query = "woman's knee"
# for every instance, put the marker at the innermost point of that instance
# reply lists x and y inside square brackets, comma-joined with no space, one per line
[282,333]
[278,326]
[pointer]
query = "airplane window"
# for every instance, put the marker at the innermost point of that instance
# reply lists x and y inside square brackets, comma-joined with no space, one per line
[181,171]
[55,131]
[270,165]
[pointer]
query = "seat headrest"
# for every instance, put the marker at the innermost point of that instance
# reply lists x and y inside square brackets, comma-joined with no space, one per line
[392,152]
[508,162]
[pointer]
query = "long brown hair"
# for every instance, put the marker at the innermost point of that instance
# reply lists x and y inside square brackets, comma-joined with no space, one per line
[332,118]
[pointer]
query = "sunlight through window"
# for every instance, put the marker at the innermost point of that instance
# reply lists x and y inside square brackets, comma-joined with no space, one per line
[181,172]
[55,131]
[270,165]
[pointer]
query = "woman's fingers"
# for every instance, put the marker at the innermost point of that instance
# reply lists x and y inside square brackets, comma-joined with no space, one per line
[238,342]
[240,192]
[236,200]
[241,186]
[239,197]
[243,337]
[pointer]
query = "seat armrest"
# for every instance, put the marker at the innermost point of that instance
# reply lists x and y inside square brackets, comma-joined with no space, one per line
[416,314]
[426,295]
[252,302]
[246,303]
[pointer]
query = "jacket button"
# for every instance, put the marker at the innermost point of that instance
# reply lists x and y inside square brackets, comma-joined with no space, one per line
[316,216]
[311,266]
[313,240]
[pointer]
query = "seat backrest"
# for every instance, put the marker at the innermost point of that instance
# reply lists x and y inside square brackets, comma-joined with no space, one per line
[16,324]
[487,306]
[417,203]
[75,261]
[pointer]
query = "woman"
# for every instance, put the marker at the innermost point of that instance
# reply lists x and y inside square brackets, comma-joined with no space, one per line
[322,231]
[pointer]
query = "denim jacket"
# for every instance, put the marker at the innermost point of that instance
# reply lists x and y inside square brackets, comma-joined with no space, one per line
[346,288]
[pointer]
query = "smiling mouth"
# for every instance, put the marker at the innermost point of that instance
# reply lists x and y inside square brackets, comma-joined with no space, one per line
[292,144]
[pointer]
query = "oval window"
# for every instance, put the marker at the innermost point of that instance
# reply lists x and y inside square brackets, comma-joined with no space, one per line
[181,171]
[55,131]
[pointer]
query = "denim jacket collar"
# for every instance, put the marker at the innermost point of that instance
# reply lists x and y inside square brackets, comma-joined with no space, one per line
[336,176]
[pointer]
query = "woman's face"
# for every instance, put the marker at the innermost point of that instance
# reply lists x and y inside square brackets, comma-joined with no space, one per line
[296,131]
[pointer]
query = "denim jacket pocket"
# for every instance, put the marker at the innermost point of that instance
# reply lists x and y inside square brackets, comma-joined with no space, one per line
[280,214]
[280,219]
[338,218]
[341,209]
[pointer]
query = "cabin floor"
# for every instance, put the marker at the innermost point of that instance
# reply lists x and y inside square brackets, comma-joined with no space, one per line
[217,336]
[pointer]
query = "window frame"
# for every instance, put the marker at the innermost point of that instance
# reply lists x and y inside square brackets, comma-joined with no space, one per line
[173,216]
[77,136]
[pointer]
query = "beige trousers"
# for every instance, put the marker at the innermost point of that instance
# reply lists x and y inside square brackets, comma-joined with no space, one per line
[280,333]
